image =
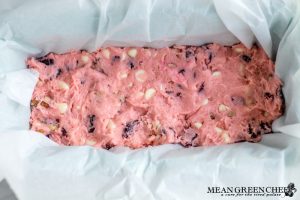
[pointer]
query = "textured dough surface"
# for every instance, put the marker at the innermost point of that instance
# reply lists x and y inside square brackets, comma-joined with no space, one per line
[137,97]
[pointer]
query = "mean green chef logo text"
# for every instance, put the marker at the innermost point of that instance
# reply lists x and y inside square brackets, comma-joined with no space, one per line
[255,191]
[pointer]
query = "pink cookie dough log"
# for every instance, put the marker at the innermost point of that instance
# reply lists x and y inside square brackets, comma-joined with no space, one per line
[139,97]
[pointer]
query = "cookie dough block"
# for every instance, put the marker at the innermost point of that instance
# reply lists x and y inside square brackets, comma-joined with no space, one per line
[139,97]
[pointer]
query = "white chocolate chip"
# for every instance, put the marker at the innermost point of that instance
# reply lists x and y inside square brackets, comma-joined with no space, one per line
[149,126]
[139,95]
[47,99]
[249,101]
[266,114]
[123,75]
[231,113]
[172,65]
[62,107]
[122,98]
[239,50]
[198,125]
[132,53]
[130,84]
[106,53]
[53,127]
[270,77]
[123,56]
[150,93]
[152,138]
[226,137]
[37,124]
[204,102]
[40,131]
[218,130]
[111,125]
[90,142]
[85,59]
[156,125]
[161,87]
[223,108]
[78,107]
[63,85]
[242,69]
[140,75]
[216,73]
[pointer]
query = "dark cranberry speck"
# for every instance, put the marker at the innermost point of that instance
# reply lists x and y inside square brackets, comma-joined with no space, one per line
[108,146]
[91,127]
[212,116]
[63,131]
[250,130]
[58,72]
[201,88]
[265,126]
[179,86]
[188,137]
[195,75]
[269,96]
[115,58]
[246,58]
[130,64]
[169,92]
[254,136]
[208,60]
[188,54]
[46,61]
[182,71]
[129,128]
[238,100]
[99,69]
[280,94]
[178,94]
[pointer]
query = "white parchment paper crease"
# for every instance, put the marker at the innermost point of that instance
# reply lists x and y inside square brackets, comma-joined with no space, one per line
[37,168]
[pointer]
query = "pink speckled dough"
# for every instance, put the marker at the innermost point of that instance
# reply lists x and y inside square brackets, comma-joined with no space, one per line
[136,97]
